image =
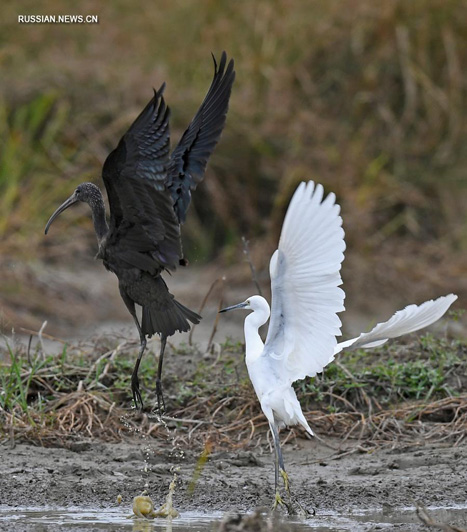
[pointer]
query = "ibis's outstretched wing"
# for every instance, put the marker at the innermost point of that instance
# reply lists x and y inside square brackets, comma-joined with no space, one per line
[305,285]
[144,230]
[410,319]
[189,158]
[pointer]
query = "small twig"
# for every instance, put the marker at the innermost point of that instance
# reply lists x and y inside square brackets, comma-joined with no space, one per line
[203,304]
[41,340]
[182,420]
[252,430]
[12,437]
[29,350]
[426,519]
[353,379]
[108,354]
[246,252]
[48,336]
[216,320]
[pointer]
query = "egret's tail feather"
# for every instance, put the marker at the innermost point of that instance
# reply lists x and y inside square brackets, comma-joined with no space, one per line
[304,423]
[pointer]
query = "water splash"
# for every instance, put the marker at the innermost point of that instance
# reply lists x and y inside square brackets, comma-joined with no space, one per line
[147,450]
[143,506]
[200,464]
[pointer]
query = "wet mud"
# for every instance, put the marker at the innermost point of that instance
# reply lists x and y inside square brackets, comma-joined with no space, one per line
[93,474]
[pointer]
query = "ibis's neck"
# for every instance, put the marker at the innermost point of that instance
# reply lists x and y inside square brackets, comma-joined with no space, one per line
[253,342]
[98,217]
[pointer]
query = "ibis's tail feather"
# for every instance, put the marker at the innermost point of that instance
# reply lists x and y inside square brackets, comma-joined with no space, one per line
[165,315]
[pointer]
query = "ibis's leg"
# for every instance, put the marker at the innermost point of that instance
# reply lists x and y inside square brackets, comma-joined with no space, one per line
[134,376]
[130,305]
[160,396]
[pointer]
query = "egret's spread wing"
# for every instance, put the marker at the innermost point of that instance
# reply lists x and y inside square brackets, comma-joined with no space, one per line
[189,158]
[143,227]
[305,282]
[410,319]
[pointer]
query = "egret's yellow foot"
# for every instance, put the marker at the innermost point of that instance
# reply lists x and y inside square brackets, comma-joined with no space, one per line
[285,478]
[277,501]
[294,507]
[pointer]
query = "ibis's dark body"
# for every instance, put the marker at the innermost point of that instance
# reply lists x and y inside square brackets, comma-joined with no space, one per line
[149,192]
[139,251]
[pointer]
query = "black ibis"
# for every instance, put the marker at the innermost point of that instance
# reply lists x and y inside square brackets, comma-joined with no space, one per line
[149,192]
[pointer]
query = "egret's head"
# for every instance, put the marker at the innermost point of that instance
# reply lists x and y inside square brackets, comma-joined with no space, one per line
[87,192]
[252,303]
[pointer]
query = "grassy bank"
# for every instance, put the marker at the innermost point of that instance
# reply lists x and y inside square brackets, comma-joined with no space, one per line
[393,395]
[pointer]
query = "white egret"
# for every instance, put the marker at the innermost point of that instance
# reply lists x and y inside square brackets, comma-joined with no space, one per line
[306,298]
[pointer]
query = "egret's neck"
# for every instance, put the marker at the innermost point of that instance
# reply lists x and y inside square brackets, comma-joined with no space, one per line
[253,342]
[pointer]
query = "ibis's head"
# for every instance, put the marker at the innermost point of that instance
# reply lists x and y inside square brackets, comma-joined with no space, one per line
[252,303]
[87,192]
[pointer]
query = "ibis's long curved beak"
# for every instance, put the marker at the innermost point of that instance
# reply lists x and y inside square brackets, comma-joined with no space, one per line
[68,203]
[233,307]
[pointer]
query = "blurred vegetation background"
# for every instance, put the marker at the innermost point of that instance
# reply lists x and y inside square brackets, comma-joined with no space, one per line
[368,98]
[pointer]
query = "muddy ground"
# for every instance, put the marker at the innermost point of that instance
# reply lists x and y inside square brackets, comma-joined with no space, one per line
[93,474]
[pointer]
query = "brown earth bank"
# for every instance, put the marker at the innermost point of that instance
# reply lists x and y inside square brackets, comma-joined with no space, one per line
[80,299]
[93,474]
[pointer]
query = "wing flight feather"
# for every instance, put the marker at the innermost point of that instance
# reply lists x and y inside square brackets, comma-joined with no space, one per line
[189,158]
[144,230]
[305,279]
[410,319]
[149,192]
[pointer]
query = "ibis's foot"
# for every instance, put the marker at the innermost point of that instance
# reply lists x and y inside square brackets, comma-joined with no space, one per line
[136,393]
[160,397]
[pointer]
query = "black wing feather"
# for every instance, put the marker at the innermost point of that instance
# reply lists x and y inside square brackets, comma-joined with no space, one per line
[144,230]
[189,159]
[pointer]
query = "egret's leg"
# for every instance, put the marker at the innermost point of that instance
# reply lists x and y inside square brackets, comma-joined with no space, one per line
[159,394]
[280,469]
[279,459]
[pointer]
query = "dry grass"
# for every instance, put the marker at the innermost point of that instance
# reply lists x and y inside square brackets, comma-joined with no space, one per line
[60,401]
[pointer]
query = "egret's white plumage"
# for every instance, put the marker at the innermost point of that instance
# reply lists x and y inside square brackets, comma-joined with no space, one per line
[305,301]
[410,319]
[305,282]
[306,298]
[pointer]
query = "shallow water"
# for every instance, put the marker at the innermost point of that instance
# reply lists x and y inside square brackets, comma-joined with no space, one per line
[115,519]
